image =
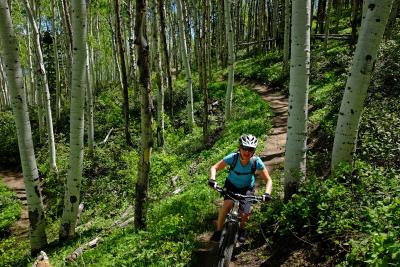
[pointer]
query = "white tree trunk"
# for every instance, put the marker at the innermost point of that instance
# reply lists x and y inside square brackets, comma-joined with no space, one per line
[4,96]
[275,22]
[90,104]
[327,24]
[286,38]
[31,92]
[185,59]
[364,58]
[159,75]
[295,155]
[47,103]
[146,138]
[117,70]
[78,85]
[166,54]
[56,59]
[231,59]
[10,56]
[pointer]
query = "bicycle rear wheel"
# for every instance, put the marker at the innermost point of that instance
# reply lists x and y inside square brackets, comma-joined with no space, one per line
[227,244]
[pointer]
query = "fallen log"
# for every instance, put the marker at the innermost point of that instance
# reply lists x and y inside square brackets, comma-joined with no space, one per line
[79,251]
[120,223]
[346,37]
[42,260]
[107,136]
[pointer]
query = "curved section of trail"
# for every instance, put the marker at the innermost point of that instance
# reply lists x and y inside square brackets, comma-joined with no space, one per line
[274,149]
[15,181]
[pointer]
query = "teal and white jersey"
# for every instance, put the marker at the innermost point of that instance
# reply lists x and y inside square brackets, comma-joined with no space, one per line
[242,176]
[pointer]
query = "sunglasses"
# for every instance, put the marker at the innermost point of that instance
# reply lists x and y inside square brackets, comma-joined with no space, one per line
[249,149]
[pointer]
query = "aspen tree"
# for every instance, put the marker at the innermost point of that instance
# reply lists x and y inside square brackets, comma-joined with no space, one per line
[203,70]
[210,26]
[116,69]
[146,105]
[132,53]
[165,53]
[327,24]
[56,59]
[68,43]
[159,77]
[124,78]
[358,80]
[275,22]
[185,59]
[78,86]
[286,38]
[89,101]
[231,59]
[46,91]
[296,143]
[90,81]
[32,89]
[4,96]
[10,56]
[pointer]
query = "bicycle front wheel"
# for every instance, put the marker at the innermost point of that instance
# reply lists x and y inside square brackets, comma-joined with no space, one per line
[227,244]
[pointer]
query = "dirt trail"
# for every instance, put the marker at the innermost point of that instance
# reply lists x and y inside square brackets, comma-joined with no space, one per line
[273,157]
[15,181]
[274,150]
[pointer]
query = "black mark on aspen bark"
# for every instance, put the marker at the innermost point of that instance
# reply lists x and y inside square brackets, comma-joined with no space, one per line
[73,199]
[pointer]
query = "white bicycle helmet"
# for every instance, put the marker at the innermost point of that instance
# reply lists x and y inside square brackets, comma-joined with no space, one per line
[248,140]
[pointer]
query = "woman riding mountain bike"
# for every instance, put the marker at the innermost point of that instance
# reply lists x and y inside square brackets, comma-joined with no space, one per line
[242,167]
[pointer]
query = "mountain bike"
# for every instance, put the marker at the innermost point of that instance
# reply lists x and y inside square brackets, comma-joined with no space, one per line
[231,226]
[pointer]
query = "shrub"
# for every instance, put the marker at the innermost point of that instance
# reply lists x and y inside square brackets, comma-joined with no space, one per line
[379,133]
[356,210]
[10,208]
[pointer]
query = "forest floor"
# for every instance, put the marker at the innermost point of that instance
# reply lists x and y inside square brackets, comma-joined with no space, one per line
[248,254]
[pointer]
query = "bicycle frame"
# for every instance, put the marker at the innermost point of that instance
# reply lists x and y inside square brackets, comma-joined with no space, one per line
[231,226]
[233,214]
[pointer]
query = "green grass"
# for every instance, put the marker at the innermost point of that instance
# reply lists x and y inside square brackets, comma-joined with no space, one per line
[263,68]
[174,221]
[12,249]
[10,208]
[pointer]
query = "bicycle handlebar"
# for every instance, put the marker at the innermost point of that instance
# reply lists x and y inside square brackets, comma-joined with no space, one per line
[235,196]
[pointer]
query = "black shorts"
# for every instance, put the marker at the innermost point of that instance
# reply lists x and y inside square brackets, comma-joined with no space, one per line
[244,206]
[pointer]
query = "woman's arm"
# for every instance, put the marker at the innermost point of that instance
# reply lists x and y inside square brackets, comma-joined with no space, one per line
[216,167]
[265,176]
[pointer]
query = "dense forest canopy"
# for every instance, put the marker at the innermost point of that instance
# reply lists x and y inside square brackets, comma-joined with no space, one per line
[112,113]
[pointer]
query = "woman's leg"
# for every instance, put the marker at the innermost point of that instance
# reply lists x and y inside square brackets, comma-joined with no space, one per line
[244,218]
[228,204]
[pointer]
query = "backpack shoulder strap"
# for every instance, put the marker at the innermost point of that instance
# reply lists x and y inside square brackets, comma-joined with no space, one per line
[234,161]
[254,165]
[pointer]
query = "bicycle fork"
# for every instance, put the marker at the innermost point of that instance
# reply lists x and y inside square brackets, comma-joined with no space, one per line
[229,233]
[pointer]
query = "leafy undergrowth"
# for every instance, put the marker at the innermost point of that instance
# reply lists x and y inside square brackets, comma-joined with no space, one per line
[174,219]
[10,208]
[266,68]
[350,218]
